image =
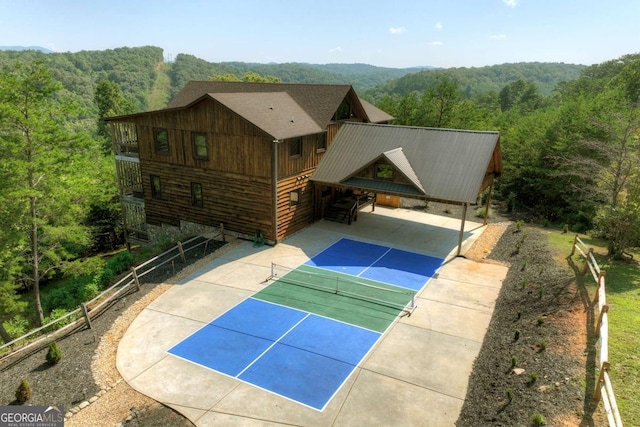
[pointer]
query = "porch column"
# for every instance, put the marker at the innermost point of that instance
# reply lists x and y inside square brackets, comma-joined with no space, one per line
[464,217]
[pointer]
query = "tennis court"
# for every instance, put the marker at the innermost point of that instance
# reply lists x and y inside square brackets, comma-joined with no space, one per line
[304,333]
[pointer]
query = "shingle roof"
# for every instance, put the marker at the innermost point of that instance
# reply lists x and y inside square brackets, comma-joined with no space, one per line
[274,112]
[320,101]
[449,165]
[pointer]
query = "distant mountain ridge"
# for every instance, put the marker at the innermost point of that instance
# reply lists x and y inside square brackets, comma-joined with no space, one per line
[20,48]
[149,81]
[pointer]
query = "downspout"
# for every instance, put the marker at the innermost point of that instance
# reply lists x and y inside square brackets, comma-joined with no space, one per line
[274,166]
[464,217]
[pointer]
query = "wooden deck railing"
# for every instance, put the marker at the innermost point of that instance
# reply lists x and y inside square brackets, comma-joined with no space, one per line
[604,389]
[35,340]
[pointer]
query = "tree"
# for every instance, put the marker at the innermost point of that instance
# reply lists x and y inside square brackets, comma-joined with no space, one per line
[249,76]
[110,102]
[47,163]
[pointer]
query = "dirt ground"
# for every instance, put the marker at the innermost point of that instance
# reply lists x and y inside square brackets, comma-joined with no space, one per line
[539,327]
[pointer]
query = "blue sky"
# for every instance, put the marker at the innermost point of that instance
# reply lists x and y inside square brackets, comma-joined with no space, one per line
[400,33]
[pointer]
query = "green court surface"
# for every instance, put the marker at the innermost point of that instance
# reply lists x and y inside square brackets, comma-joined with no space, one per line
[366,303]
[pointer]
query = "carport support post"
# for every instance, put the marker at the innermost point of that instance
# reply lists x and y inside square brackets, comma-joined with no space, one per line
[486,210]
[464,217]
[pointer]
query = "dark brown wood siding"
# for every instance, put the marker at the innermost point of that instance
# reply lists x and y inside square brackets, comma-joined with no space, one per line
[242,203]
[234,145]
[305,163]
[294,218]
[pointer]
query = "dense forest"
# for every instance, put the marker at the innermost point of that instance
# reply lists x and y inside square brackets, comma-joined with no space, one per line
[570,138]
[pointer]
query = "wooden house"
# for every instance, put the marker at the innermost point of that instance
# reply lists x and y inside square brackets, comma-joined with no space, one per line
[232,153]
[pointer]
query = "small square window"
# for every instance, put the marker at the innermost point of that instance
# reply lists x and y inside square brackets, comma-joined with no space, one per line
[295,147]
[200,147]
[294,198]
[161,140]
[156,187]
[196,194]
[384,171]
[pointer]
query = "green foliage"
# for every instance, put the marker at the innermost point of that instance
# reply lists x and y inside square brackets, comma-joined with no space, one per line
[16,326]
[54,354]
[23,393]
[120,262]
[480,212]
[509,393]
[58,313]
[249,76]
[516,335]
[514,361]
[533,377]
[538,420]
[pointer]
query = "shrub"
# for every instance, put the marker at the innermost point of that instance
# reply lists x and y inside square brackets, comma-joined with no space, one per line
[538,420]
[519,225]
[540,321]
[57,313]
[480,212]
[516,335]
[543,345]
[16,327]
[533,377]
[119,263]
[514,361]
[23,393]
[54,354]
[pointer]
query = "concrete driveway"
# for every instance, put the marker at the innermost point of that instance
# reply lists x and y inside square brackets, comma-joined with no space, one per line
[417,374]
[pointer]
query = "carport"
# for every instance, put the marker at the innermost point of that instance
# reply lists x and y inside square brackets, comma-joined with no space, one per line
[444,165]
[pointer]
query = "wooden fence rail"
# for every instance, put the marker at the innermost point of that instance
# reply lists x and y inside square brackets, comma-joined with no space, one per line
[604,389]
[34,340]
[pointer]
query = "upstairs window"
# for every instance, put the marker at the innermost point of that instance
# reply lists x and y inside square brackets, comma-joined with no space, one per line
[196,194]
[343,112]
[200,146]
[295,147]
[384,171]
[161,140]
[156,187]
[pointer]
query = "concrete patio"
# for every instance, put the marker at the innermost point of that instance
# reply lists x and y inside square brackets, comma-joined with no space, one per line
[417,374]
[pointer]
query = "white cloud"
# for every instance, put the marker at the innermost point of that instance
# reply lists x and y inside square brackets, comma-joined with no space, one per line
[336,49]
[397,30]
[436,43]
[498,37]
[438,26]
[511,3]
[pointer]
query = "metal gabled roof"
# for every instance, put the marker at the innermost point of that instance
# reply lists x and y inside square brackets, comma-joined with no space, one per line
[450,165]
[276,113]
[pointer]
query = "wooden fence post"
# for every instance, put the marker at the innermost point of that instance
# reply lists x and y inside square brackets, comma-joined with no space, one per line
[184,260]
[587,261]
[222,233]
[596,394]
[605,309]
[135,278]
[573,248]
[86,314]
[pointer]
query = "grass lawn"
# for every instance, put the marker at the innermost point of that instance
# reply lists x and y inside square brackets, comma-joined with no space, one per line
[623,297]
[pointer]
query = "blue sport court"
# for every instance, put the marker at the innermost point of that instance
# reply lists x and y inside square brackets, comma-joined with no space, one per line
[303,335]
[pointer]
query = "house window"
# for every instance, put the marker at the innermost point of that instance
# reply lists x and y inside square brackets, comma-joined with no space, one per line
[384,171]
[161,140]
[321,143]
[343,112]
[294,198]
[200,147]
[156,187]
[295,147]
[196,194]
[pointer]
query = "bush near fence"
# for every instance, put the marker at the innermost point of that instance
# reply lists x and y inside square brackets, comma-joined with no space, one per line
[82,316]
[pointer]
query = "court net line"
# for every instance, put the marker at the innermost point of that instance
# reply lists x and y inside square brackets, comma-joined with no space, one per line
[342,286]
